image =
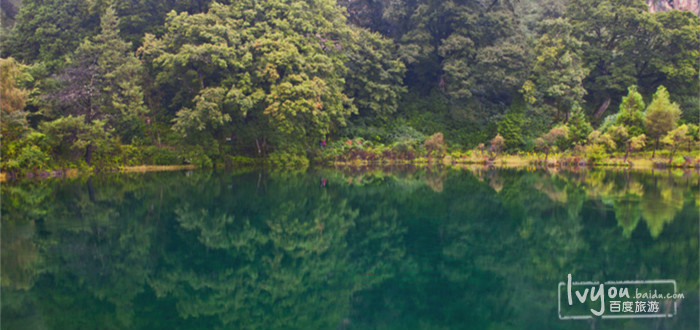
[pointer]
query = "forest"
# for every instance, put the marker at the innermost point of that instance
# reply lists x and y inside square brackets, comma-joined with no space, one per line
[107,83]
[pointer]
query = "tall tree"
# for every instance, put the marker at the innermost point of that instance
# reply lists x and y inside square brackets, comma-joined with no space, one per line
[511,128]
[101,81]
[375,74]
[482,53]
[610,30]
[275,70]
[556,78]
[661,116]
[632,112]
[676,66]
[13,97]
[627,45]
[579,128]
[47,30]
[471,51]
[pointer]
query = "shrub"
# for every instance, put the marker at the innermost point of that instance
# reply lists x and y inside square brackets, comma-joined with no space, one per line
[30,157]
[497,143]
[595,153]
[435,145]
[232,161]
[72,138]
[160,156]
[197,157]
[281,158]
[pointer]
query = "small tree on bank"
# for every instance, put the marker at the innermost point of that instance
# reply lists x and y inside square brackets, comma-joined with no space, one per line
[579,128]
[632,112]
[661,116]
[497,144]
[693,135]
[635,143]
[435,144]
[510,128]
[674,139]
[551,138]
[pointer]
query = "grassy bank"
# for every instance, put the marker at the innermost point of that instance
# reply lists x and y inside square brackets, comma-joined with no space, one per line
[365,154]
[641,160]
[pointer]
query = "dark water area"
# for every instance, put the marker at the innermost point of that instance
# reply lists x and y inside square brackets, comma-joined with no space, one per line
[343,249]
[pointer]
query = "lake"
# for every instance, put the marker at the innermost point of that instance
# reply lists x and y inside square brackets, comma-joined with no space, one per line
[348,248]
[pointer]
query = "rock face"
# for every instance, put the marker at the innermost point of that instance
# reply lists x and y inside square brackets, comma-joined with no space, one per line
[666,5]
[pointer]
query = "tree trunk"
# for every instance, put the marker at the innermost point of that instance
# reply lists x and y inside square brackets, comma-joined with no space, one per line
[673,152]
[602,108]
[629,146]
[88,153]
[91,190]
[154,126]
[656,146]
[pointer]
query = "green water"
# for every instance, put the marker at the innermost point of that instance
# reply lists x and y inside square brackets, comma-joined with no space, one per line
[347,249]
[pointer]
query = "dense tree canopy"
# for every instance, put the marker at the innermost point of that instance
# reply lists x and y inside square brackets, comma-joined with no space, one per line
[48,30]
[102,80]
[203,81]
[291,70]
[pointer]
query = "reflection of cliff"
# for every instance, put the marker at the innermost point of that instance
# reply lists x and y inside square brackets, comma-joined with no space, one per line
[666,5]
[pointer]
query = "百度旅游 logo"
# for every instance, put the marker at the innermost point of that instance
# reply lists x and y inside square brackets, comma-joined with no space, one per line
[617,299]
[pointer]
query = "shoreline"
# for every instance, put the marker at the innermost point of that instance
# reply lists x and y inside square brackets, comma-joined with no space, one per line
[501,162]
[73,172]
[518,162]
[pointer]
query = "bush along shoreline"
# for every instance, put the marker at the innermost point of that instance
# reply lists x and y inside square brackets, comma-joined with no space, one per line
[143,85]
[431,151]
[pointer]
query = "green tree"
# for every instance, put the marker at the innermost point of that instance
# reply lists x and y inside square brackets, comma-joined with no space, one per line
[72,138]
[102,81]
[138,17]
[632,112]
[611,30]
[627,45]
[510,128]
[481,50]
[549,140]
[13,98]
[49,30]
[619,135]
[472,52]
[272,69]
[579,128]
[375,74]
[604,140]
[675,139]
[675,66]
[556,78]
[635,143]
[661,116]
[693,135]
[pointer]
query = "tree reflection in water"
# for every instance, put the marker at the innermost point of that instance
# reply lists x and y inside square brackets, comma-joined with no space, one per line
[382,249]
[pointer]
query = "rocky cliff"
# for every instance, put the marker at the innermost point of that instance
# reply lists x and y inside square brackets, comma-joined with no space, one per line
[666,5]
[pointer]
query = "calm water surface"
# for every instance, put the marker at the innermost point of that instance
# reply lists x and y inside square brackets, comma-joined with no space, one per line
[346,249]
